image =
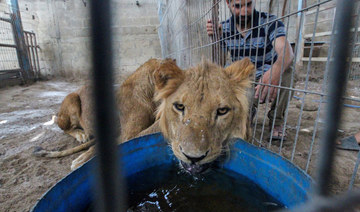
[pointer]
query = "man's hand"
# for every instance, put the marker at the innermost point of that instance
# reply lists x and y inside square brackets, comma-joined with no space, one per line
[264,89]
[210,28]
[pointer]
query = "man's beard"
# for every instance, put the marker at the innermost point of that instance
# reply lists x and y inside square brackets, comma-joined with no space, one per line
[243,20]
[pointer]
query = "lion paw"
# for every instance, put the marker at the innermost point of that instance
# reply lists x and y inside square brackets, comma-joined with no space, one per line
[82,158]
[75,164]
[81,137]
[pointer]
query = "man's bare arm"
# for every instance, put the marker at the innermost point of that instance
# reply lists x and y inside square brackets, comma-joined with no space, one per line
[277,69]
[280,44]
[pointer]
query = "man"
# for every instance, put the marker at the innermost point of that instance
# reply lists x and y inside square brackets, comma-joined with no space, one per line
[249,33]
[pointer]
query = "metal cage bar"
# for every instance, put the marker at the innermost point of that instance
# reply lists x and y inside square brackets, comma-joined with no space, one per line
[109,185]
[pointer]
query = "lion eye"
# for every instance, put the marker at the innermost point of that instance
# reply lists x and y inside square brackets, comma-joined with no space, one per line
[179,107]
[222,111]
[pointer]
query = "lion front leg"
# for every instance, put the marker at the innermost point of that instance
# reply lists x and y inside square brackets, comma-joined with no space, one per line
[134,123]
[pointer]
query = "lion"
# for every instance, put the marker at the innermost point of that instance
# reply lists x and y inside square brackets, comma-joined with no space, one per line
[75,118]
[198,110]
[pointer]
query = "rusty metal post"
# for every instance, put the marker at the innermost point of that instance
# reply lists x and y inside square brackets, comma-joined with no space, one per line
[23,57]
[32,54]
[37,73]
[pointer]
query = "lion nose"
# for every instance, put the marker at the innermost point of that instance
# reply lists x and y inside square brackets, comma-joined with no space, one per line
[196,159]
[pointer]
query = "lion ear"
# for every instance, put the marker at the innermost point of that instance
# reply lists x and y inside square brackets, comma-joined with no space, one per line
[240,71]
[168,77]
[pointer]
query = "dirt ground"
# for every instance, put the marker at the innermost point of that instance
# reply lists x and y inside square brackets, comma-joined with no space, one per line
[25,122]
[344,160]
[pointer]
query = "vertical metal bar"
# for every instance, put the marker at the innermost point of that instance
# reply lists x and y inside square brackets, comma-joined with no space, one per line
[220,56]
[19,39]
[300,40]
[284,8]
[354,39]
[255,78]
[247,29]
[188,31]
[215,39]
[226,16]
[232,40]
[268,91]
[108,184]
[37,58]
[32,57]
[239,31]
[271,71]
[290,91]
[282,70]
[261,80]
[336,91]
[306,83]
[297,49]
[327,65]
[29,48]
[355,172]
[251,102]
[23,74]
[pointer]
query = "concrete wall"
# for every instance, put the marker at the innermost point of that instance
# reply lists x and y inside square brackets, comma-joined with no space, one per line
[62,29]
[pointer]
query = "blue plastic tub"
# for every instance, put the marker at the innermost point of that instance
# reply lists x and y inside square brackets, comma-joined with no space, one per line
[274,174]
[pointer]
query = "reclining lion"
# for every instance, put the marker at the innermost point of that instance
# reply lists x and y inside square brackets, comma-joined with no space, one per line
[198,110]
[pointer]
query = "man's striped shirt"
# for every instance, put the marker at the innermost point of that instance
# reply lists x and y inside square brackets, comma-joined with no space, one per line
[258,42]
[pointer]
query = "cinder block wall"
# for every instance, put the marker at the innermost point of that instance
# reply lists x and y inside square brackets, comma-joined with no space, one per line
[62,29]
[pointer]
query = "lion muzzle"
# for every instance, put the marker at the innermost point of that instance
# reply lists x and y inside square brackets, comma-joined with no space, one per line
[195,168]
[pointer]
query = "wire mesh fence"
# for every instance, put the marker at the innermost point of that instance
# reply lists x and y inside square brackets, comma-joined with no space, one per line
[19,59]
[290,124]
[9,64]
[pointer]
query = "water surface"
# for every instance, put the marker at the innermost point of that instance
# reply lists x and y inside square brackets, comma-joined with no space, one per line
[168,188]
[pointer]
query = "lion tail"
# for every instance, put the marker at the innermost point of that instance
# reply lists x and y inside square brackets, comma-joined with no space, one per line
[40,152]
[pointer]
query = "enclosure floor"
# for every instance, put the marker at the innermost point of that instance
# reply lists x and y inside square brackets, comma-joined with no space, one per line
[24,110]
[344,160]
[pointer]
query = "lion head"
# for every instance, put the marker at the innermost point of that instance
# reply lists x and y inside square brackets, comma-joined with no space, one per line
[202,108]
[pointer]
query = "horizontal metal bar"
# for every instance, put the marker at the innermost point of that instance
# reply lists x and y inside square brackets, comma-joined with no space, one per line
[327,33]
[7,45]
[9,79]
[325,20]
[323,9]
[10,71]
[324,59]
[33,46]
[303,91]
[32,33]
[326,44]
[5,19]
[322,21]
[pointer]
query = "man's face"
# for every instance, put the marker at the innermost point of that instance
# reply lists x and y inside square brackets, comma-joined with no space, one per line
[241,8]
